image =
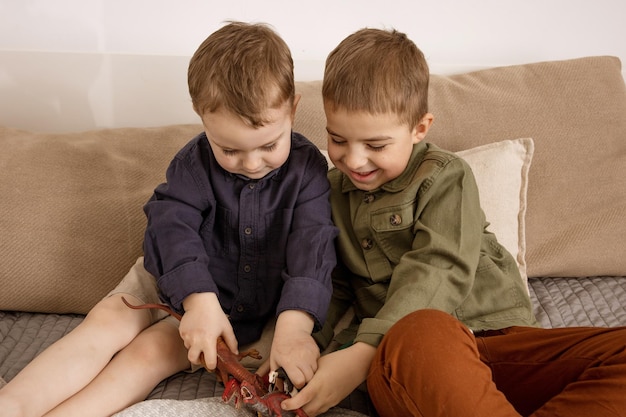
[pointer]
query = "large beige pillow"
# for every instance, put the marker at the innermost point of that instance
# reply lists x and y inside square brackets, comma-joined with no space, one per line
[575,111]
[71,216]
[501,172]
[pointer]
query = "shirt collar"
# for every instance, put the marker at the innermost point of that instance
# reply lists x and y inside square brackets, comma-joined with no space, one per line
[275,175]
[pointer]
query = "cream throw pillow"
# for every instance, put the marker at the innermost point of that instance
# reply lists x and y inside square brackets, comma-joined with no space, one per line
[501,172]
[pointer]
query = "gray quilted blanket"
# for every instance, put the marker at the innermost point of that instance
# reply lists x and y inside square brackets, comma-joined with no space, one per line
[558,302]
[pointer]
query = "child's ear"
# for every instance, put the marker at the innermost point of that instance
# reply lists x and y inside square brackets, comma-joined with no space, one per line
[421,130]
[296,100]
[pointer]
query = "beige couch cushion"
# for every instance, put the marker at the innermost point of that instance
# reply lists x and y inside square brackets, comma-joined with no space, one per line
[71,211]
[575,110]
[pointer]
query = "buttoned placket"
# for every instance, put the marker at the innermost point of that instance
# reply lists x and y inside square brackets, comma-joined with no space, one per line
[248,231]
[375,260]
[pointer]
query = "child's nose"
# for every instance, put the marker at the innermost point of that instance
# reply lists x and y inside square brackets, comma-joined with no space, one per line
[354,159]
[251,162]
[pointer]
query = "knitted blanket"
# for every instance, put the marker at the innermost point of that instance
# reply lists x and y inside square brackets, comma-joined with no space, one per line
[205,407]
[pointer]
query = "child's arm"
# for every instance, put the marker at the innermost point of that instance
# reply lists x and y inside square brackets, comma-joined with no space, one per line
[201,325]
[338,374]
[293,347]
[174,250]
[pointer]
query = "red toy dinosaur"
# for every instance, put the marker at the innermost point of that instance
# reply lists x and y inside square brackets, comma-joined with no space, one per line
[244,387]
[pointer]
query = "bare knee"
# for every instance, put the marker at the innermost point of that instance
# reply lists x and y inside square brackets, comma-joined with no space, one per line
[113,308]
[112,316]
[159,349]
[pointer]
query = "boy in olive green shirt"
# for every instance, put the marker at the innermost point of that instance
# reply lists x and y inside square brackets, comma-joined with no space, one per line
[444,325]
[407,245]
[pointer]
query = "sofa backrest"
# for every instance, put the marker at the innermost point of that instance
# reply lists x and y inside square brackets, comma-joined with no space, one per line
[71,219]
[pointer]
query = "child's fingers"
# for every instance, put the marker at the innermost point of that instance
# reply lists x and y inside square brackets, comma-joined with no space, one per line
[302,376]
[296,376]
[209,357]
[204,354]
[301,400]
[297,401]
[264,369]
[231,341]
[300,366]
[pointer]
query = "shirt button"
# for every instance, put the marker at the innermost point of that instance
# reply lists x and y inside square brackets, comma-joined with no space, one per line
[368,198]
[395,219]
[251,186]
[367,244]
[240,308]
[247,230]
[247,268]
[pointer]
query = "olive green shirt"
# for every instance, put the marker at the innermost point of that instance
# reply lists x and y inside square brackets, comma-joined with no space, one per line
[420,241]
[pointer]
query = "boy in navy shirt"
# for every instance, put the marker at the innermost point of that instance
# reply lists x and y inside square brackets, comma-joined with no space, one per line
[238,234]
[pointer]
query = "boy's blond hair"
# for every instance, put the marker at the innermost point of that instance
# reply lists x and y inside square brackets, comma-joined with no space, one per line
[378,71]
[243,68]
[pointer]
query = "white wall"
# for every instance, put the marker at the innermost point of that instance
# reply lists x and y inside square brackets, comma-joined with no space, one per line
[78,64]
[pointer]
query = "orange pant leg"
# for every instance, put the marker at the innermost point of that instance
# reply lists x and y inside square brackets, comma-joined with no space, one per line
[429,364]
[577,371]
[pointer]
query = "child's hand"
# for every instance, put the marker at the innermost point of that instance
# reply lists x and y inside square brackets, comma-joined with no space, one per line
[338,374]
[293,347]
[201,325]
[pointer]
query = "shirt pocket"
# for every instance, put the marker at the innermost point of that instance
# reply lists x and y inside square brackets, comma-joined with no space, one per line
[219,233]
[393,230]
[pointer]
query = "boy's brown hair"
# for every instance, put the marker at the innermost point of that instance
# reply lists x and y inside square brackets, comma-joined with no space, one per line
[378,71]
[243,68]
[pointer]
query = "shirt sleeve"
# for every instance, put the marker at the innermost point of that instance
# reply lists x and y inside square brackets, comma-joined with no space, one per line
[340,302]
[439,270]
[173,249]
[310,251]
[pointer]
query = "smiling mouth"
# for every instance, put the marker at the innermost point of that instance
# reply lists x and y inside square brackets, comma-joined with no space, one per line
[362,176]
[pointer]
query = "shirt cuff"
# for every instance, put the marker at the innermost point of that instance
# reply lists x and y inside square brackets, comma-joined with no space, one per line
[308,295]
[187,279]
[371,331]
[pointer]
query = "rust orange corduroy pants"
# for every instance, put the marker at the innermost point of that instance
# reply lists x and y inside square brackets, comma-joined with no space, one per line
[430,364]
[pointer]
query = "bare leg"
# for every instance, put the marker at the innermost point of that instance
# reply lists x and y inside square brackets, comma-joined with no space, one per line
[68,365]
[152,356]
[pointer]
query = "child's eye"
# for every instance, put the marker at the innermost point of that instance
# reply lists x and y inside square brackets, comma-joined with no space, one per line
[336,141]
[229,152]
[269,148]
[377,148]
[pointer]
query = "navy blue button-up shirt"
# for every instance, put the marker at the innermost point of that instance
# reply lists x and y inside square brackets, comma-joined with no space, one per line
[263,246]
